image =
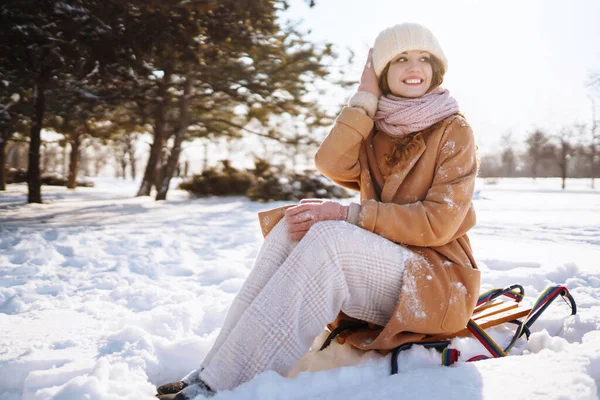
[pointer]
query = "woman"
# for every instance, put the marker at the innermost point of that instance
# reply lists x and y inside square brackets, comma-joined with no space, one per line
[400,260]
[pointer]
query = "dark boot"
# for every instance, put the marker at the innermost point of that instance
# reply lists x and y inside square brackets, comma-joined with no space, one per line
[171,388]
[188,392]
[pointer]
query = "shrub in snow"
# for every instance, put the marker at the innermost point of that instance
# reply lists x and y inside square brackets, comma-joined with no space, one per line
[224,181]
[266,182]
[295,187]
[16,175]
[20,176]
[278,183]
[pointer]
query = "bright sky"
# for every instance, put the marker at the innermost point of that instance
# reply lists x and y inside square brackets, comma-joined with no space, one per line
[513,65]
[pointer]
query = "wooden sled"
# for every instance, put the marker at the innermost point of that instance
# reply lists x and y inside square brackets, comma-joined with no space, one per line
[491,310]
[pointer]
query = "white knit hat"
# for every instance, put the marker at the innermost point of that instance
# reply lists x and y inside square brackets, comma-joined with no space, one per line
[404,37]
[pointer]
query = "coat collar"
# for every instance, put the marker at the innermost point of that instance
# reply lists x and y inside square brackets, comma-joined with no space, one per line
[401,170]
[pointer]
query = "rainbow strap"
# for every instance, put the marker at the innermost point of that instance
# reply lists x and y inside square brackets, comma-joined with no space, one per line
[508,292]
[450,356]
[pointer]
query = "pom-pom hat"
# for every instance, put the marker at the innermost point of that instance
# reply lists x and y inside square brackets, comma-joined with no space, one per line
[404,37]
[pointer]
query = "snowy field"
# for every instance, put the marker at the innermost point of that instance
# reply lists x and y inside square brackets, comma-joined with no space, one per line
[104,296]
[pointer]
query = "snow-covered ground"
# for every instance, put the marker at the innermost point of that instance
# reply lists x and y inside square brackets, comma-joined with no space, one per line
[104,296]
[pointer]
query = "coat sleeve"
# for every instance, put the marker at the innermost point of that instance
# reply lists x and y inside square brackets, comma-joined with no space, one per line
[435,220]
[337,157]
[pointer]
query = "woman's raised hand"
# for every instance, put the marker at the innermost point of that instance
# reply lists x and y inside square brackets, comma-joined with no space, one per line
[300,218]
[368,79]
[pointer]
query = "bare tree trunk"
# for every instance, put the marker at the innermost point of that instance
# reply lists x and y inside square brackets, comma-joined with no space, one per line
[75,141]
[84,161]
[159,127]
[45,159]
[131,154]
[64,160]
[19,161]
[124,168]
[12,156]
[184,122]
[563,167]
[593,170]
[34,179]
[132,166]
[593,157]
[6,134]
[564,152]
[2,165]
[592,166]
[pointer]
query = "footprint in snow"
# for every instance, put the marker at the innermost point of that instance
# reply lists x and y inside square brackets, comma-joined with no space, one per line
[50,235]
[66,251]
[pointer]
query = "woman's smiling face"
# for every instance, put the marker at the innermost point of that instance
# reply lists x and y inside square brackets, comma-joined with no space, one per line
[410,74]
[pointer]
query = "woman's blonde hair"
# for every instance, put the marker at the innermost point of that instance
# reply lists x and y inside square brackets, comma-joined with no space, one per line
[401,147]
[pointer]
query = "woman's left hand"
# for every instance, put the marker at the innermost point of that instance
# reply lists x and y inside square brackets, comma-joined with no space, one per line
[302,217]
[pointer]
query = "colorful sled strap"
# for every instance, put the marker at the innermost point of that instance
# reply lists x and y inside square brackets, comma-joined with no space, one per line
[544,300]
[508,292]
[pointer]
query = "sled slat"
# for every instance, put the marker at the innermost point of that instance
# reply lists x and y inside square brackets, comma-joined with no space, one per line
[501,318]
[494,310]
[486,322]
[485,306]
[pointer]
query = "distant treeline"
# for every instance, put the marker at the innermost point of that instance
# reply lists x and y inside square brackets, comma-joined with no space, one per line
[571,153]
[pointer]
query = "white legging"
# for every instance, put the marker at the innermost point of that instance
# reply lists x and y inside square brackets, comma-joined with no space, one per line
[294,290]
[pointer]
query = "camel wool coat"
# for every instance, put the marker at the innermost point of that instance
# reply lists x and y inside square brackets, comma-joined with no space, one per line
[423,203]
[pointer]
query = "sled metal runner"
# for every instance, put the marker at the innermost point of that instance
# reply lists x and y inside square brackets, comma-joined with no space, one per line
[490,311]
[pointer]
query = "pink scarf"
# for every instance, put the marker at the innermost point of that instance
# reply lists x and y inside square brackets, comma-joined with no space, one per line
[399,116]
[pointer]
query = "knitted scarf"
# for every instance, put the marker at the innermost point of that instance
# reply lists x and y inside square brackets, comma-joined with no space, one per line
[400,116]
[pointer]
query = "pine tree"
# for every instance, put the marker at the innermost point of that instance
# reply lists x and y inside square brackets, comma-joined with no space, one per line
[245,67]
[47,46]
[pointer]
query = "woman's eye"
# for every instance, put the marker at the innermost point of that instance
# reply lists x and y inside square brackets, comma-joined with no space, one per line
[403,59]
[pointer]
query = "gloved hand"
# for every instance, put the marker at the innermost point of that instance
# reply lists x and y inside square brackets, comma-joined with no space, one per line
[368,79]
[310,211]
